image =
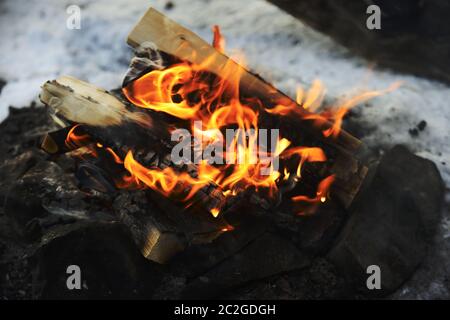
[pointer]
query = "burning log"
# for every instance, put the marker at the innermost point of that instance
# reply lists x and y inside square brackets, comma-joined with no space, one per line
[76,102]
[94,106]
[172,39]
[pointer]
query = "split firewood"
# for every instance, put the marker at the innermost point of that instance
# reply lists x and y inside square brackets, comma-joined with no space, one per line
[95,106]
[161,232]
[123,133]
[76,102]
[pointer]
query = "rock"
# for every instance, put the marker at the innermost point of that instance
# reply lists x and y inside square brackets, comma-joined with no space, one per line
[169,5]
[391,222]
[319,280]
[198,259]
[33,230]
[23,201]
[22,131]
[42,184]
[413,132]
[13,169]
[411,38]
[111,265]
[38,194]
[266,256]
[314,234]
[422,125]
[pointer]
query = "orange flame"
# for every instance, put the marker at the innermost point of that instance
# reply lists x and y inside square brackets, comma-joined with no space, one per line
[306,154]
[215,212]
[321,196]
[219,40]
[338,115]
[218,105]
[116,158]
[335,114]
[187,92]
[74,140]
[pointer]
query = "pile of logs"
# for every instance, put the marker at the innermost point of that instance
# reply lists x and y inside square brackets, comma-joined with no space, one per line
[103,118]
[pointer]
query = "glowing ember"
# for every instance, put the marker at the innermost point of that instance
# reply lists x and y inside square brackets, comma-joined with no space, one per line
[215,212]
[228,228]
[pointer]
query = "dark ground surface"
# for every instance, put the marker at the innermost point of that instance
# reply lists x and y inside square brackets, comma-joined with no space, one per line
[22,264]
[16,279]
[36,246]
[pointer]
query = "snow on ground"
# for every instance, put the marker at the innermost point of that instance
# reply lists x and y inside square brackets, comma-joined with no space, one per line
[36,46]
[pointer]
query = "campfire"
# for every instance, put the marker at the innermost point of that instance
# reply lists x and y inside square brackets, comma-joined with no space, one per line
[218,175]
[198,128]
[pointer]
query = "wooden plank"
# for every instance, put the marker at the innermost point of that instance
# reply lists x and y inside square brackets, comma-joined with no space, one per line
[82,102]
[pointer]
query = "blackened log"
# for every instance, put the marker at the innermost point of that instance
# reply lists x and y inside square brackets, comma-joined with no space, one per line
[111,265]
[249,264]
